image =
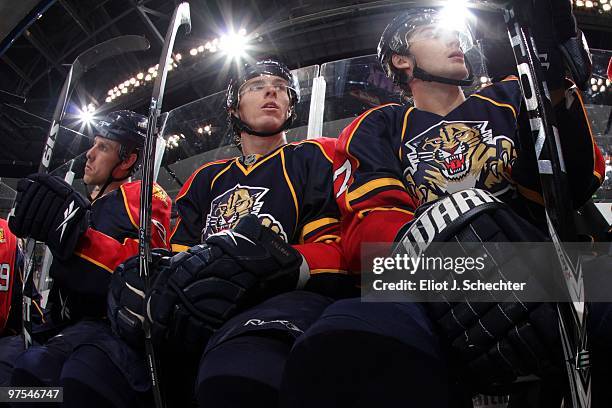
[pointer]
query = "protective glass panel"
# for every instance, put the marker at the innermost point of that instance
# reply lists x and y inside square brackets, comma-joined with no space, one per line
[198,133]
[353,86]
[598,101]
[7,196]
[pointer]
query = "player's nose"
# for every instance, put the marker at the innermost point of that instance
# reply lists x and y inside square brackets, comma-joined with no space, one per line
[452,40]
[271,91]
[91,154]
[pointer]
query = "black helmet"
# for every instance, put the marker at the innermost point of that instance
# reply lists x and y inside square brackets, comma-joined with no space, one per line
[130,130]
[394,40]
[250,71]
[126,127]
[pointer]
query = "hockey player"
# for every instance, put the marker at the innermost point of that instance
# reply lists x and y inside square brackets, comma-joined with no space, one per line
[252,227]
[394,158]
[88,241]
[11,264]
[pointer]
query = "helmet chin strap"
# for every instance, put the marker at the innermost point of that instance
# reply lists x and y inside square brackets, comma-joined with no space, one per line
[424,76]
[421,74]
[110,179]
[240,126]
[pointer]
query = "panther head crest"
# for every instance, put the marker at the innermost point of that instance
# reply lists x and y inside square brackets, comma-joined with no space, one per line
[450,151]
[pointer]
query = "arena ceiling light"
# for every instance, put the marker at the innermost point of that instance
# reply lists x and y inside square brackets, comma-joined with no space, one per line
[597,6]
[83,117]
[455,14]
[86,114]
[234,44]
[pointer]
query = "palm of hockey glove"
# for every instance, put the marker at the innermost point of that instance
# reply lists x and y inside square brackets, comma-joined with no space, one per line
[49,210]
[577,57]
[126,298]
[215,280]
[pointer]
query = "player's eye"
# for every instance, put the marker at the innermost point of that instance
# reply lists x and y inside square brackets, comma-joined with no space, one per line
[261,86]
[254,86]
[257,88]
[280,87]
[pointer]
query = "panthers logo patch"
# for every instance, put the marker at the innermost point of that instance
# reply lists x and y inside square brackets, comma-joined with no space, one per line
[228,208]
[160,194]
[452,156]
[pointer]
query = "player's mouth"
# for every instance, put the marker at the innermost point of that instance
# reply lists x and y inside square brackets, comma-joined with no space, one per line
[270,106]
[456,55]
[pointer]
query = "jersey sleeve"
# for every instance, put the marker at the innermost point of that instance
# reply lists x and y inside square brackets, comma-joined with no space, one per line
[582,157]
[9,273]
[13,323]
[319,225]
[98,253]
[368,186]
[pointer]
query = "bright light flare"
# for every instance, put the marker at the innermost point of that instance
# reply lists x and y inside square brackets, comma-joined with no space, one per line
[86,114]
[234,45]
[455,14]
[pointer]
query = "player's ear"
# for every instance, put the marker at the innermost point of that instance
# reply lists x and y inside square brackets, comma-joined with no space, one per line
[129,161]
[125,165]
[402,63]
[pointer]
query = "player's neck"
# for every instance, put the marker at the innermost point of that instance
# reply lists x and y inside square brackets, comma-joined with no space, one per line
[109,189]
[261,145]
[440,99]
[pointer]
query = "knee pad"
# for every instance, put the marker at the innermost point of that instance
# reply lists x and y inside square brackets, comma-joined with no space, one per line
[90,378]
[356,352]
[242,371]
[37,366]
[10,348]
[407,323]
[347,368]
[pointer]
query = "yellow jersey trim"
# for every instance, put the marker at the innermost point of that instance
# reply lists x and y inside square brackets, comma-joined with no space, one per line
[288,180]
[373,185]
[503,105]
[127,207]
[179,248]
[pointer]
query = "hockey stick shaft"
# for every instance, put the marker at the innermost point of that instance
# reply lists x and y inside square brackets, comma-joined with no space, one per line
[85,61]
[555,189]
[180,17]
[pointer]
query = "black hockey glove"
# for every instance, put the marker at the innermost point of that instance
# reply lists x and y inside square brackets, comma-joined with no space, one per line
[562,47]
[578,59]
[213,281]
[490,343]
[257,259]
[48,209]
[126,298]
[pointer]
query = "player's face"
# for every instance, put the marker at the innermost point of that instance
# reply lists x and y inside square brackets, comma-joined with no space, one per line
[101,159]
[264,103]
[438,52]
